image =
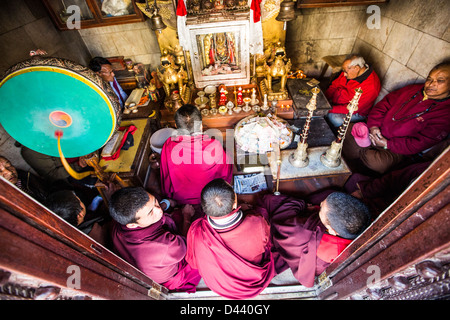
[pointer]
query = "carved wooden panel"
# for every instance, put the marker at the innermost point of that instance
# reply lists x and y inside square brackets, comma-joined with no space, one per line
[336,3]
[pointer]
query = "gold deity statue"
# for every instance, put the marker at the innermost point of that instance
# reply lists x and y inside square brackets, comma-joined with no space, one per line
[170,77]
[279,68]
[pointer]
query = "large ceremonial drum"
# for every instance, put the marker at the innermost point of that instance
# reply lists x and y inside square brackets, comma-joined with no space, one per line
[41,96]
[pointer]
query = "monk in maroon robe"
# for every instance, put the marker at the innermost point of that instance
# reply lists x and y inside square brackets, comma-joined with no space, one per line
[379,192]
[191,159]
[405,123]
[147,238]
[309,239]
[230,248]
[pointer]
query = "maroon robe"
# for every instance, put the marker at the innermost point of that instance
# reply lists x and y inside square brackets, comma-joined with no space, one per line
[222,268]
[159,252]
[379,193]
[330,247]
[300,238]
[409,123]
[188,163]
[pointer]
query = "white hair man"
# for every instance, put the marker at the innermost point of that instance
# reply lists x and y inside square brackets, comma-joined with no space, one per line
[355,74]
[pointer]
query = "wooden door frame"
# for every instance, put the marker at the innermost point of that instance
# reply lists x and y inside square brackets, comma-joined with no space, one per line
[38,246]
[409,239]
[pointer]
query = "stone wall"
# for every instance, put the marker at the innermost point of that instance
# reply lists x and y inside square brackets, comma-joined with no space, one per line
[414,36]
[320,32]
[25,25]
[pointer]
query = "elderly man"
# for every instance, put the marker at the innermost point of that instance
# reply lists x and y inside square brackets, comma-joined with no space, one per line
[406,122]
[94,222]
[355,74]
[102,67]
[191,159]
[230,248]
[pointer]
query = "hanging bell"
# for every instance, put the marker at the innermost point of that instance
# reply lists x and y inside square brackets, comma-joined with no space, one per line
[287,11]
[157,22]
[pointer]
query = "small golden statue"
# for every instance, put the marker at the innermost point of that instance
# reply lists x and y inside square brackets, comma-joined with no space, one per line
[279,68]
[170,77]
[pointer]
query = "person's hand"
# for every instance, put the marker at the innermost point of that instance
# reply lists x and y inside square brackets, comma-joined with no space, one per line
[82,162]
[374,131]
[154,159]
[357,194]
[310,208]
[110,188]
[188,212]
[376,138]
[172,202]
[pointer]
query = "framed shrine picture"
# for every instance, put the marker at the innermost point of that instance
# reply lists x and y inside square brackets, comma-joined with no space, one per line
[220,53]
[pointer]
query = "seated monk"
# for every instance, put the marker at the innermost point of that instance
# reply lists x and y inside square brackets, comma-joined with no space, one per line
[229,247]
[307,240]
[191,159]
[89,220]
[147,238]
[405,123]
[355,74]
[379,192]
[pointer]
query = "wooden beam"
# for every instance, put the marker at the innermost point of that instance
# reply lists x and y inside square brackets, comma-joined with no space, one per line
[413,228]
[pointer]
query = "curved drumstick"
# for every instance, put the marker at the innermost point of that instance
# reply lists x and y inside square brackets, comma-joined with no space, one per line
[73,173]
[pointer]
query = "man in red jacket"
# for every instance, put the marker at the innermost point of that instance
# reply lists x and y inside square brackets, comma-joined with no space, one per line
[406,122]
[355,74]
[229,247]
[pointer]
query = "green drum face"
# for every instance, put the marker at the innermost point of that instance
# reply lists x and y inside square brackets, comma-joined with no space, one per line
[36,101]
